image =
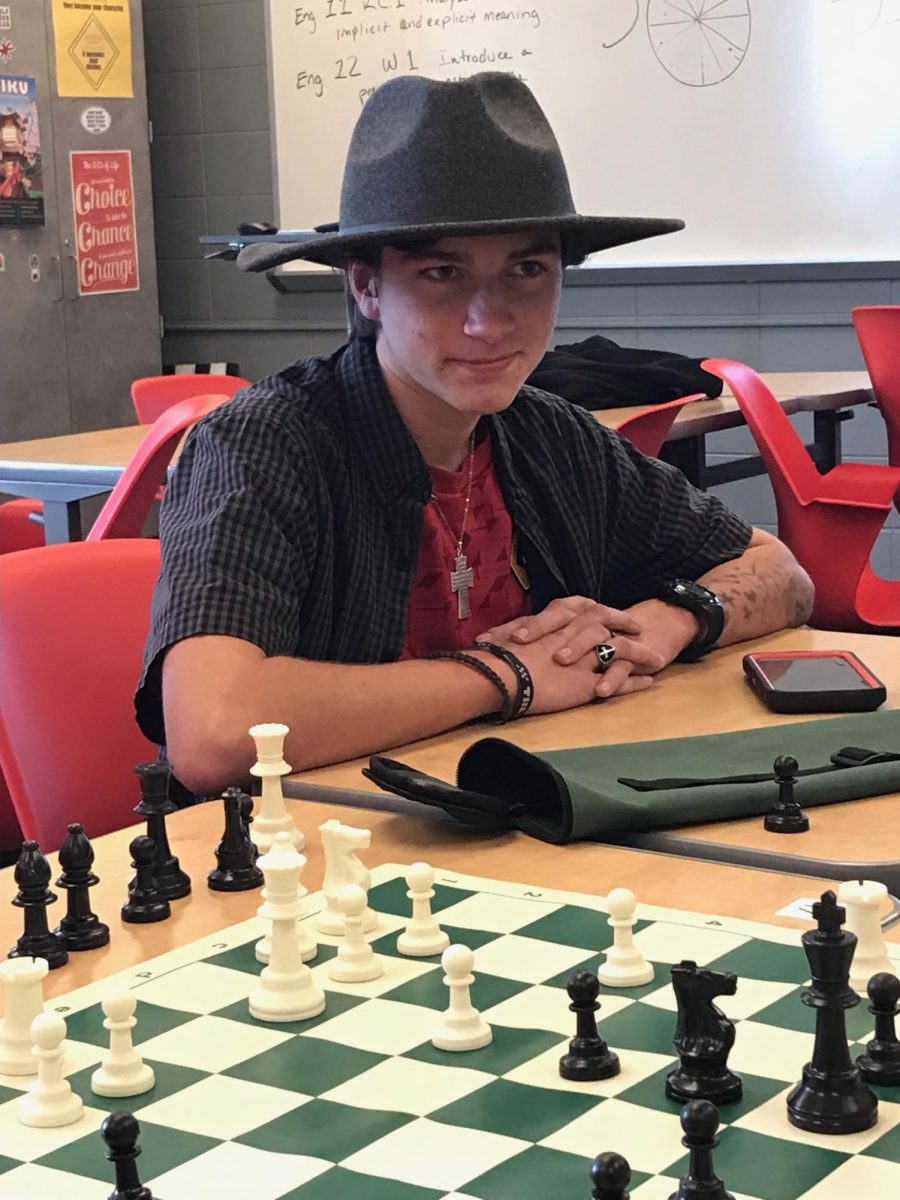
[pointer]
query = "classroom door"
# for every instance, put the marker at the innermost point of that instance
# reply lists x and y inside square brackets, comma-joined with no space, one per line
[34,392]
[113,337]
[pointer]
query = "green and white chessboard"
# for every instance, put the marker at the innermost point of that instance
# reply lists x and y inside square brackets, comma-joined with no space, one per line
[356,1104]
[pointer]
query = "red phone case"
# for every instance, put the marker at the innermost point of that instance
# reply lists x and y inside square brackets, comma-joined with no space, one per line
[828,699]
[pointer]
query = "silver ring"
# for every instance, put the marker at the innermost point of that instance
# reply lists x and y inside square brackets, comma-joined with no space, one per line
[605,654]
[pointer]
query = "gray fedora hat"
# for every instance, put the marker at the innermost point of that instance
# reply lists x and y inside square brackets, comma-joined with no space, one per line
[430,159]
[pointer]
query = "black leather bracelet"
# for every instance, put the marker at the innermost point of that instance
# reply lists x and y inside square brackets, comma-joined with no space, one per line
[509,702]
[524,682]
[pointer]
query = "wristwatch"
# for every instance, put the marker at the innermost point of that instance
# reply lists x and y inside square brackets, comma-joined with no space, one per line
[706,607]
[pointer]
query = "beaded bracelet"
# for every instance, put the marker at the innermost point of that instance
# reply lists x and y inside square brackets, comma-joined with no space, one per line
[525,684]
[510,703]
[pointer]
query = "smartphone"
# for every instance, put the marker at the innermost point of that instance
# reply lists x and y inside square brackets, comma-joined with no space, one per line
[800,681]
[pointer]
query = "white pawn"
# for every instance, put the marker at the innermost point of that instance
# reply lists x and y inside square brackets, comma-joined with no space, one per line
[122,1070]
[355,961]
[423,935]
[863,900]
[462,1026]
[23,979]
[306,943]
[272,816]
[286,989]
[625,965]
[50,1101]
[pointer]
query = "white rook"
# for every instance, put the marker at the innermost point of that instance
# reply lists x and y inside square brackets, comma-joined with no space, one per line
[863,900]
[23,980]
[273,816]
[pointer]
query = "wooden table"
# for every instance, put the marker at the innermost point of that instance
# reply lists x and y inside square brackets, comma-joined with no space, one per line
[845,841]
[587,867]
[62,471]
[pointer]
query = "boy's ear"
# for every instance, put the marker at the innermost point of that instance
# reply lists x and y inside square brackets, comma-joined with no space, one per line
[364,285]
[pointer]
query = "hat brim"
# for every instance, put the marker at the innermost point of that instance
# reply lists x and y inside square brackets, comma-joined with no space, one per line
[584,235]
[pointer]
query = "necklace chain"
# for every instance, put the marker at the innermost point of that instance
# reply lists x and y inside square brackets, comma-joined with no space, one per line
[468,501]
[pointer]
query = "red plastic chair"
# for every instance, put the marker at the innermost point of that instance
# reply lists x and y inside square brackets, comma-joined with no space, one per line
[154,394]
[829,521]
[129,502]
[17,530]
[649,430]
[878,331]
[73,621]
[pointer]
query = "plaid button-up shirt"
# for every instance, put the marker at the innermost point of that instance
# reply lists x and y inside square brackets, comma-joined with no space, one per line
[292,519]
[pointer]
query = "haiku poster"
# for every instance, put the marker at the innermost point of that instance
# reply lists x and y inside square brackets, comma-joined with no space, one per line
[93,47]
[21,172]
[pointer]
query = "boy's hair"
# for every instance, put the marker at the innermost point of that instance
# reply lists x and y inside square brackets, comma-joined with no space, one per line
[359,326]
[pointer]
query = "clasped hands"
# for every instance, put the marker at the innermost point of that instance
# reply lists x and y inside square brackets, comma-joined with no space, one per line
[558,645]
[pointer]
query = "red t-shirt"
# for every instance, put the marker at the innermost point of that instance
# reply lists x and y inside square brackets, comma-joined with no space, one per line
[497,595]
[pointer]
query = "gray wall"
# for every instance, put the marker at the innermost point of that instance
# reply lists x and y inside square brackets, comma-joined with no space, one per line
[211,161]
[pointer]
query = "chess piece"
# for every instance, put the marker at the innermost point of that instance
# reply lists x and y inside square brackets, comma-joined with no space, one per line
[80,928]
[236,869]
[155,805]
[787,816]
[50,1101]
[700,1120]
[247,821]
[704,1036]
[340,844]
[355,961]
[122,1070]
[461,1026]
[273,816]
[862,900]
[121,1131]
[423,935]
[144,904]
[286,989]
[625,965]
[32,875]
[588,1056]
[306,943]
[24,999]
[610,1175]
[831,1097]
[881,1062]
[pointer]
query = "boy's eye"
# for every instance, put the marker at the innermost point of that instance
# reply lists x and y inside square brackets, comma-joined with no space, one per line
[443,272]
[531,267]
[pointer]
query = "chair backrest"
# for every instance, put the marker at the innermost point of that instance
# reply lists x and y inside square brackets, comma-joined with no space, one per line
[648,430]
[878,330]
[128,504]
[153,394]
[73,621]
[791,470]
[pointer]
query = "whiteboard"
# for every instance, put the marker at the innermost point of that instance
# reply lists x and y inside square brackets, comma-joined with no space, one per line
[771,127]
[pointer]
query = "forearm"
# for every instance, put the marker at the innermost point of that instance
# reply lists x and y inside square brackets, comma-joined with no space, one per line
[764,590]
[334,711]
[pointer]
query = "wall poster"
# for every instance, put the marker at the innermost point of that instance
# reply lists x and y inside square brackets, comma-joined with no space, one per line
[105,235]
[21,172]
[93,47]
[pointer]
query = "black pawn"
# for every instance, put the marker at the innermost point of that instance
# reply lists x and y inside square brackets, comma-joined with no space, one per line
[247,819]
[787,816]
[144,903]
[155,805]
[32,875]
[881,1062]
[80,928]
[700,1120]
[589,1057]
[236,870]
[610,1175]
[831,1097]
[121,1131]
